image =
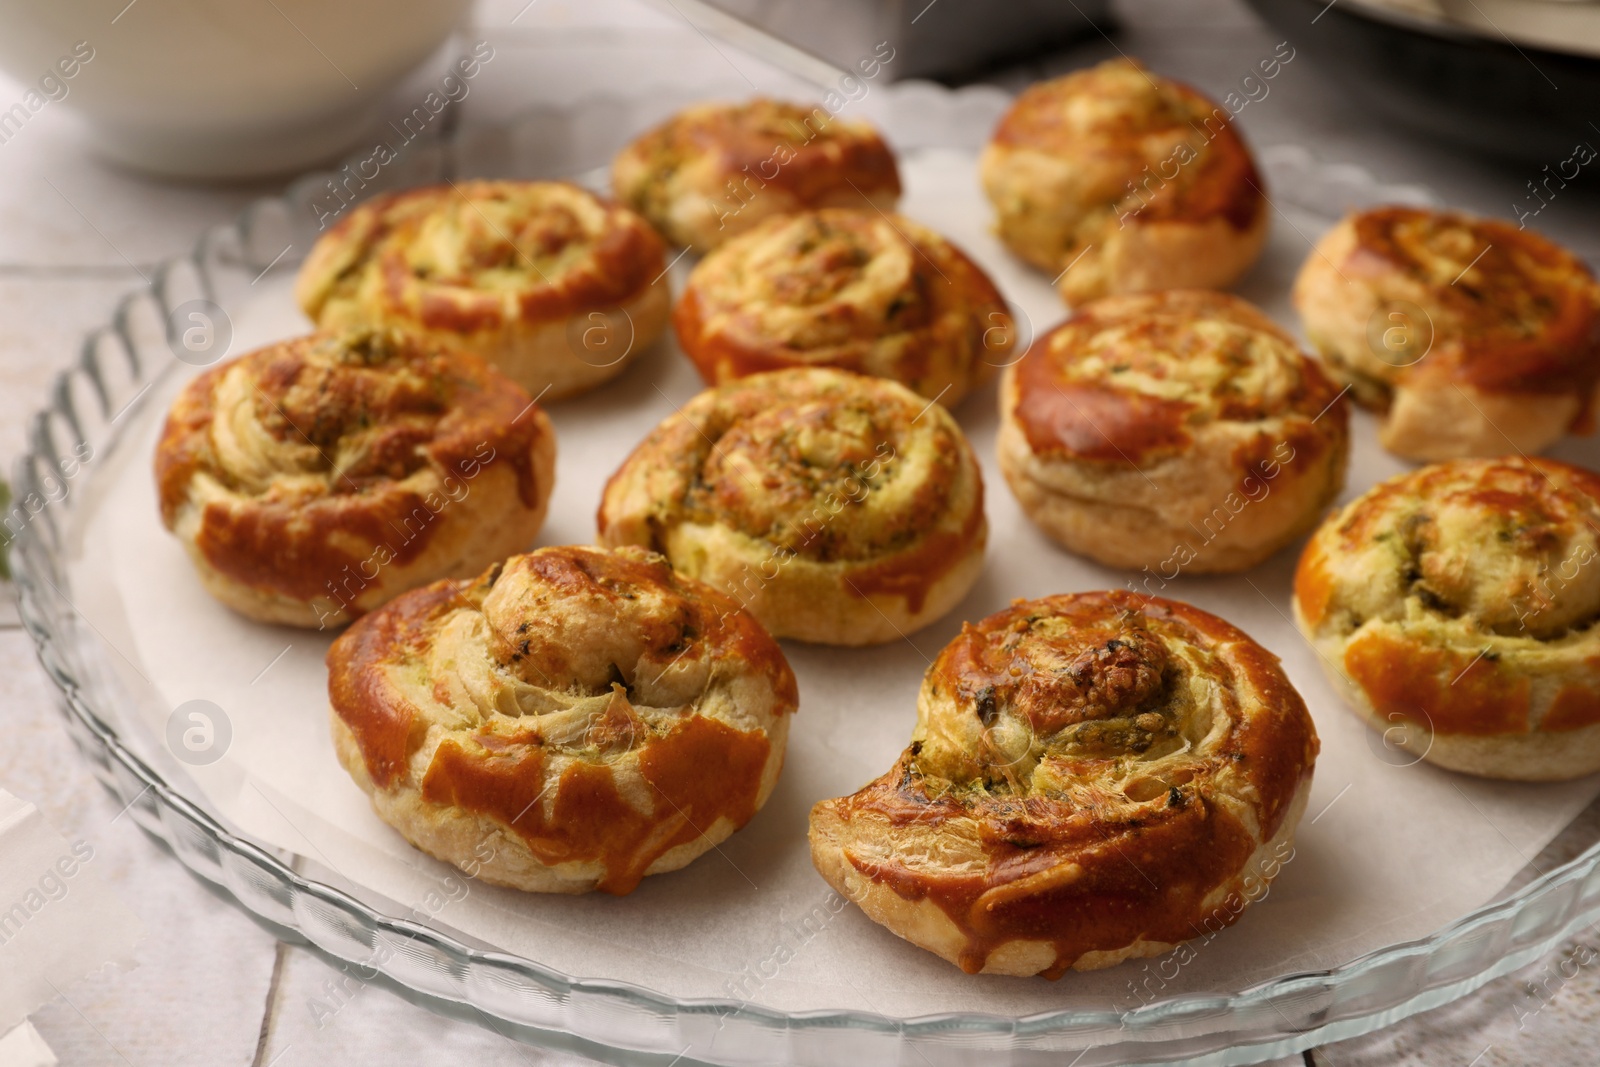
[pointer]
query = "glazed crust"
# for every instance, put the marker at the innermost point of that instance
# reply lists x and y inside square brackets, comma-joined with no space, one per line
[1132,181]
[714,171]
[837,508]
[1455,607]
[575,719]
[555,286]
[858,290]
[1093,776]
[1180,431]
[1470,336]
[314,479]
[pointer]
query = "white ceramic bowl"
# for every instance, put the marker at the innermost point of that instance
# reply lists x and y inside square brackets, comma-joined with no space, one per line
[1559,25]
[216,88]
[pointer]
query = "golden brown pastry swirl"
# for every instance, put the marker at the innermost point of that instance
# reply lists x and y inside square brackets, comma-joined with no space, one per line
[1114,180]
[856,290]
[1175,431]
[714,171]
[1471,337]
[838,508]
[514,271]
[574,719]
[1456,607]
[1092,777]
[314,479]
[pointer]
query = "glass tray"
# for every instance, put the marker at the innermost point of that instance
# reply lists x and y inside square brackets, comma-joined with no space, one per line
[122,369]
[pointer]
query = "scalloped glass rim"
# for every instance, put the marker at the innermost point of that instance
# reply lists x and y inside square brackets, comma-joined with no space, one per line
[119,363]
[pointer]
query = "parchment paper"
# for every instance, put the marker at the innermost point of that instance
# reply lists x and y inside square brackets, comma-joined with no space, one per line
[1385,852]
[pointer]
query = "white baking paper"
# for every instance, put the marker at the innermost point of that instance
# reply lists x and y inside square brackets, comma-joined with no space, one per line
[1385,852]
[58,920]
[23,1047]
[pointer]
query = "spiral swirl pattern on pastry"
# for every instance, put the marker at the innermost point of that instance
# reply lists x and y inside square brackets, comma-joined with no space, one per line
[838,508]
[1117,180]
[1180,431]
[315,478]
[1470,336]
[1455,607]
[714,171]
[574,719]
[1093,776]
[555,286]
[856,290]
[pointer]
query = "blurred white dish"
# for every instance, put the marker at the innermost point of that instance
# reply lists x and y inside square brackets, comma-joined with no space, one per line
[213,88]
[1559,25]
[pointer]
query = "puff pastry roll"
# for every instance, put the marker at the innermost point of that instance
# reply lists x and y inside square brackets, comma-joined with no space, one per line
[838,508]
[557,287]
[1454,607]
[1179,432]
[713,171]
[574,719]
[314,479]
[1092,777]
[1117,180]
[1469,336]
[857,290]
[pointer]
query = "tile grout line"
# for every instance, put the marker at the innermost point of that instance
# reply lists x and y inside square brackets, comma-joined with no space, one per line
[274,989]
[108,271]
[269,1014]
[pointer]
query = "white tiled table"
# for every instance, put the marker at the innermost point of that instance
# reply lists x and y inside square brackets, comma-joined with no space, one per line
[212,988]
